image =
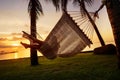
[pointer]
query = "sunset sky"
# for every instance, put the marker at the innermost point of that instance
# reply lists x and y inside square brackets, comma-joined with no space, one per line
[14,19]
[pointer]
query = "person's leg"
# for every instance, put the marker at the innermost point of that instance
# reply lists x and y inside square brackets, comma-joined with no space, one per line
[29,37]
[36,46]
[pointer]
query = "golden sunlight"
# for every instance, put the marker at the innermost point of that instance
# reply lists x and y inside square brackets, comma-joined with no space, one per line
[15,44]
[15,55]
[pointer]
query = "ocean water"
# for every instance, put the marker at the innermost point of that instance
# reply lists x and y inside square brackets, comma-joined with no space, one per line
[22,53]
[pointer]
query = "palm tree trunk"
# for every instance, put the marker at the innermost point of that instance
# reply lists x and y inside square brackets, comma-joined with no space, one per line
[113,10]
[33,52]
[95,27]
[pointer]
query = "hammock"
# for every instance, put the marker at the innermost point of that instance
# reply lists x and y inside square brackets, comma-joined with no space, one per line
[65,40]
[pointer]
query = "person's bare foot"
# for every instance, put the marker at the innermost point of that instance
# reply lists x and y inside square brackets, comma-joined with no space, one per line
[24,44]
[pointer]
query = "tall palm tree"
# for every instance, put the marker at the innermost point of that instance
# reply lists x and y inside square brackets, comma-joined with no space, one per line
[63,4]
[113,11]
[34,9]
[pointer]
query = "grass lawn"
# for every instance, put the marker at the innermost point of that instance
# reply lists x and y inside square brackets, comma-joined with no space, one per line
[80,67]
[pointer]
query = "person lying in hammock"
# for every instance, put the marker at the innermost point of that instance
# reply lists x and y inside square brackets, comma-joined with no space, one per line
[35,42]
[42,46]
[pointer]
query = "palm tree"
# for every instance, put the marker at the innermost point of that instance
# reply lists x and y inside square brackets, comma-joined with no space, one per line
[85,12]
[63,4]
[34,9]
[113,11]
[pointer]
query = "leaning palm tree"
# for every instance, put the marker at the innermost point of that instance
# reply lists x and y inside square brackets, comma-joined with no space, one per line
[113,11]
[81,3]
[34,9]
[84,11]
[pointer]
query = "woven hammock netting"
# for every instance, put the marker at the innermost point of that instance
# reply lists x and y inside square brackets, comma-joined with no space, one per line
[66,38]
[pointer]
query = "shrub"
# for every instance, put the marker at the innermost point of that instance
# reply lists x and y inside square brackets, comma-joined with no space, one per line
[107,49]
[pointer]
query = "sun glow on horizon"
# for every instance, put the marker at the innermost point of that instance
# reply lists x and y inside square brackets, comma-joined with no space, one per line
[15,44]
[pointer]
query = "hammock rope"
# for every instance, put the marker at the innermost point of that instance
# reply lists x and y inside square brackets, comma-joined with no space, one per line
[83,22]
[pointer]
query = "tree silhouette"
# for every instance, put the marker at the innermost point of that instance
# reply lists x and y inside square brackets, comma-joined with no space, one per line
[34,9]
[113,11]
[58,3]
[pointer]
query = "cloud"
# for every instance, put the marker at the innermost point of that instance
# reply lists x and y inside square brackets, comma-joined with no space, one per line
[7,40]
[16,39]
[11,37]
[7,52]
[16,34]
[6,46]
[3,39]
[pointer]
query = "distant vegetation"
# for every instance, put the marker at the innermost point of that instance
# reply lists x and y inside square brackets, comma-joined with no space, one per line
[80,67]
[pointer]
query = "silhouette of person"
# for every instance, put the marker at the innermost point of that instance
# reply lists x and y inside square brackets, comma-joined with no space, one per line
[49,49]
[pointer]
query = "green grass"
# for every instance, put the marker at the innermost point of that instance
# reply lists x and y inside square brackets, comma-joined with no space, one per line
[79,67]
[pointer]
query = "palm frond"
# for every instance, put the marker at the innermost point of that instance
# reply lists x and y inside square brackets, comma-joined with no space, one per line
[64,4]
[89,2]
[60,3]
[36,6]
[55,3]
[81,4]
